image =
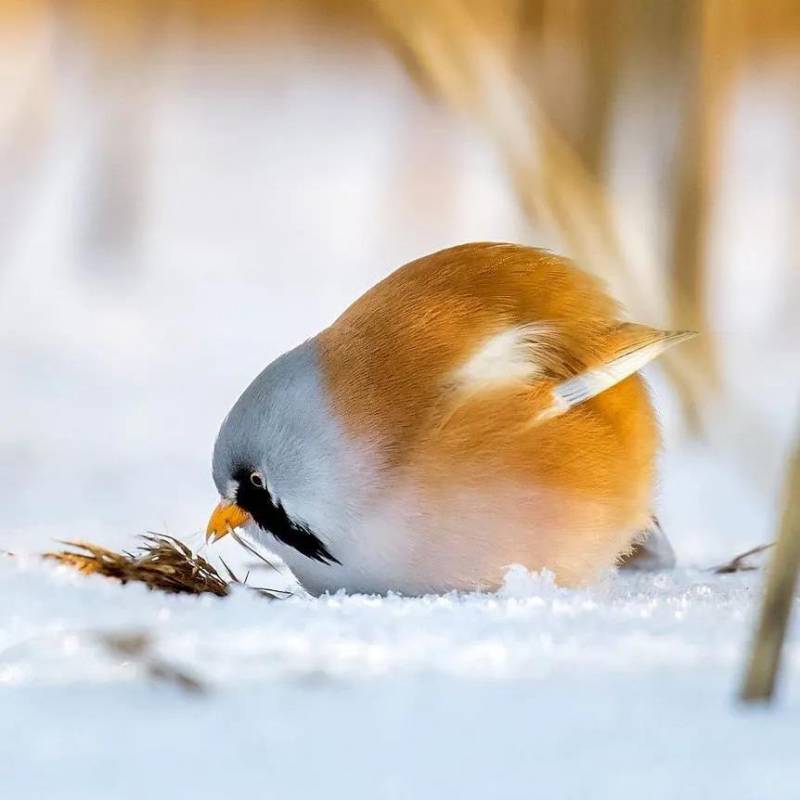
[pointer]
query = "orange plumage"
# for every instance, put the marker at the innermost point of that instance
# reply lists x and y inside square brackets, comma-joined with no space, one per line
[477,408]
[581,483]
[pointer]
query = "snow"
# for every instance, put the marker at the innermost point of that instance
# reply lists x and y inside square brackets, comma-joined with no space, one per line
[117,372]
[622,689]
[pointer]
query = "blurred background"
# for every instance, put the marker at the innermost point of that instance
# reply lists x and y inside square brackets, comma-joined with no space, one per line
[190,187]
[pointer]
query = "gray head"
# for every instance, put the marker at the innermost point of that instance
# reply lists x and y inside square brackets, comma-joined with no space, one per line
[282,458]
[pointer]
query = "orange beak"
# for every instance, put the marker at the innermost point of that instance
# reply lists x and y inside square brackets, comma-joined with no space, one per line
[225,517]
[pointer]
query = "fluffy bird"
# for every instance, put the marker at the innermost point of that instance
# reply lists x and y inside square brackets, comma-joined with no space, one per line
[480,407]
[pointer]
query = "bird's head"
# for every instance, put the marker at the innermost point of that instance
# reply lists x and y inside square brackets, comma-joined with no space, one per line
[277,459]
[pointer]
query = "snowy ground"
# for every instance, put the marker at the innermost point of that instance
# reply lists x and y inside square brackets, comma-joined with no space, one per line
[116,376]
[625,690]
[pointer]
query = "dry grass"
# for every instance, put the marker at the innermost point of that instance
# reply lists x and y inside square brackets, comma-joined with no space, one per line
[162,563]
[744,561]
[138,648]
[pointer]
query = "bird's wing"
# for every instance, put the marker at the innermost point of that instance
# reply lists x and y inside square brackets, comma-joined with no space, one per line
[631,348]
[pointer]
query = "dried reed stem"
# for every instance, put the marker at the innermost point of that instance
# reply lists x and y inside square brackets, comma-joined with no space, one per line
[717,35]
[765,656]
[454,48]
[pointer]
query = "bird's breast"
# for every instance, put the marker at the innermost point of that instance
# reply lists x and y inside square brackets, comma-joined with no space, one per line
[418,540]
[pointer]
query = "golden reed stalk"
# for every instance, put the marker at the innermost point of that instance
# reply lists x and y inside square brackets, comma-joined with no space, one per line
[765,656]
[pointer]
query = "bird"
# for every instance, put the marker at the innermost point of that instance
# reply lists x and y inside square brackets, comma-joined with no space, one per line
[478,408]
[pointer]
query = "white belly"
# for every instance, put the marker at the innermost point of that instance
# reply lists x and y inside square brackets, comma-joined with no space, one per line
[413,545]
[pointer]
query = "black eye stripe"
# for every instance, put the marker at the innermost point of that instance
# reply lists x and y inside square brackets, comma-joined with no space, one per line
[271,517]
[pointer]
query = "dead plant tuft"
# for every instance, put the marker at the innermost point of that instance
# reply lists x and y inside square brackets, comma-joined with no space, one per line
[161,562]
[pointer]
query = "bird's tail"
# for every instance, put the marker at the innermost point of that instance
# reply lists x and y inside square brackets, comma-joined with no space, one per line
[632,347]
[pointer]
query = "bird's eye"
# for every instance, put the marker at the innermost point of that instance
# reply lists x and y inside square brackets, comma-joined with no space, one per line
[257,480]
